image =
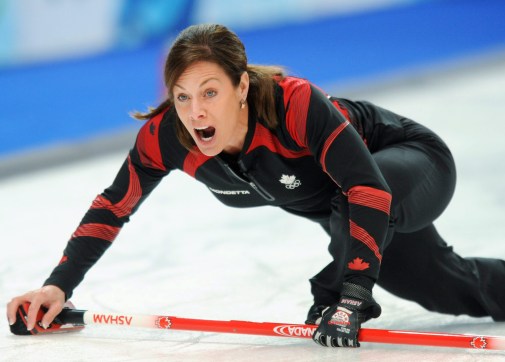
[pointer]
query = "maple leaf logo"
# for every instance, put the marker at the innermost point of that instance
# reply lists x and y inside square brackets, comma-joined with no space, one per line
[479,342]
[358,264]
[163,322]
[287,180]
[291,182]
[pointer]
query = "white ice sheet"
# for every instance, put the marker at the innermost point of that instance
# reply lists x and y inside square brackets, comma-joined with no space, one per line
[184,254]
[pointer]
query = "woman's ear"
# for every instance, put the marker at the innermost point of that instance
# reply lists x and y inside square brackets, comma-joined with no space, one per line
[244,85]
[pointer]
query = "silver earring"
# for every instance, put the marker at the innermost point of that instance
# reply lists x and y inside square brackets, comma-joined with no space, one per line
[242,104]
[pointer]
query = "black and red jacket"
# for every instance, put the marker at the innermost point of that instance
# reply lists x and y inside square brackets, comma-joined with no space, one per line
[320,145]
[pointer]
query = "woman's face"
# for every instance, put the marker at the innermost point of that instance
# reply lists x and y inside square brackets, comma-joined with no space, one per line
[208,105]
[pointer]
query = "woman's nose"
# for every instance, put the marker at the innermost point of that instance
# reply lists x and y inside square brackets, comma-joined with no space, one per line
[197,110]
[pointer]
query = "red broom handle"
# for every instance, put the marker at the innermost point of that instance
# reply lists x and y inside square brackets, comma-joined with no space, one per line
[282,329]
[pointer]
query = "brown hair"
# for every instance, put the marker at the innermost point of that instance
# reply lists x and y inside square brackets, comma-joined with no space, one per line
[215,43]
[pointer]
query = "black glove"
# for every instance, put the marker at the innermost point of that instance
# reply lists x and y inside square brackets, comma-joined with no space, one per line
[315,314]
[341,322]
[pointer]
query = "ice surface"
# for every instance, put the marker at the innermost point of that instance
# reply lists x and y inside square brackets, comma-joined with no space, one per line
[186,255]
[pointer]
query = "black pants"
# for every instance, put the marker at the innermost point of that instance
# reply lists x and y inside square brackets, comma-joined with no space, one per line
[417,263]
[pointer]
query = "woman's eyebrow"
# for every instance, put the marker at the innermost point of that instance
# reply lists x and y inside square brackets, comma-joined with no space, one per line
[201,84]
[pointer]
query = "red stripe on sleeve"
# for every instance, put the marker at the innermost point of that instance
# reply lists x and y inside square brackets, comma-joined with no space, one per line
[362,235]
[370,197]
[193,161]
[148,145]
[342,109]
[133,194]
[101,231]
[125,206]
[296,102]
[63,259]
[329,141]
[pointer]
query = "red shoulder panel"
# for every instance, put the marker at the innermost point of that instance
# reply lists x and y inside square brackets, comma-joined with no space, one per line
[296,102]
[193,161]
[264,138]
[148,144]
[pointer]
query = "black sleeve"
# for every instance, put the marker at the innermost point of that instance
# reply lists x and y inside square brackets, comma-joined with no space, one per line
[137,177]
[343,155]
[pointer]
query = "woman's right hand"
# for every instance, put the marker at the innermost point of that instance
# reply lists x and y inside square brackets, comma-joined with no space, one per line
[49,296]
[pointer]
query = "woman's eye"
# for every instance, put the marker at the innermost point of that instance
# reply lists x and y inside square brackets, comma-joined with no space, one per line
[210,93]
[182,97]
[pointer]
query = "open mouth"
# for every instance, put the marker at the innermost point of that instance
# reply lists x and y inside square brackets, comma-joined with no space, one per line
[205,133]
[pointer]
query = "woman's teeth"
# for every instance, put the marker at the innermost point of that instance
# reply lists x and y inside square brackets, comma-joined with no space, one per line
[205,133]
